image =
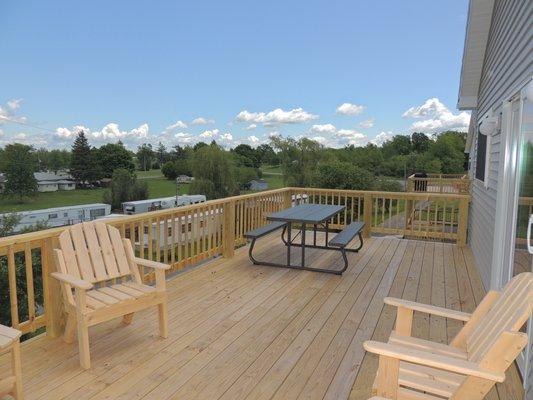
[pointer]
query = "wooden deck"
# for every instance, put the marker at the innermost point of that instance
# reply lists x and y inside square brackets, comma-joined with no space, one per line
[242,331]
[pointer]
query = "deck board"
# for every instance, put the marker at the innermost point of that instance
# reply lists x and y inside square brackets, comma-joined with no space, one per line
[239,331]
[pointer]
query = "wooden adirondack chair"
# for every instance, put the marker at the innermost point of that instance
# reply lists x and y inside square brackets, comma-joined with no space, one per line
[93,253]
[467,368]
[10,342]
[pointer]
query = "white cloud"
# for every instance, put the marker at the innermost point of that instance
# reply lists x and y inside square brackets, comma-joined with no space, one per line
[350,109]
[436,117]
[351,137]
[369,123]
[274,134]
[382,138]
[109,132]
[209,133]
[177,125]
[320,139]
[9,110]
[202,121]
[253,139]
[251,127]
[325,128]
[227,137]
[276,117]
[184,137]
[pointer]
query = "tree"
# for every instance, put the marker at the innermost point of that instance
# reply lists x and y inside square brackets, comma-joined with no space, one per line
[248,156]
[169,170]
[19,166]
[214,172]
[83,165]
[145,156]
[161,154]
[420,142]
[299,159]
[267,155]
[449,149]
[124,187]
[398,145]
[58,160]
[199,145]
[343,175]
[113,156]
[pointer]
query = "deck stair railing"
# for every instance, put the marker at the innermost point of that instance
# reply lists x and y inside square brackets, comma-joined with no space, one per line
[439,183]
[30,300]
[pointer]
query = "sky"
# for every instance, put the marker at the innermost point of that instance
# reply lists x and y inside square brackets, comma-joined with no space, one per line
[179,72]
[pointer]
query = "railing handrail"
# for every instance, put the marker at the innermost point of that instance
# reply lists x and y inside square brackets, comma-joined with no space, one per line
[217,227]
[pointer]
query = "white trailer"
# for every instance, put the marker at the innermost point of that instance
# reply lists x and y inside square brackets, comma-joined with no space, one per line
[61,216]
[142,206]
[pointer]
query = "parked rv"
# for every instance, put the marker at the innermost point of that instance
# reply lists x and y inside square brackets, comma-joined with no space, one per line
[142,206]
[61,216]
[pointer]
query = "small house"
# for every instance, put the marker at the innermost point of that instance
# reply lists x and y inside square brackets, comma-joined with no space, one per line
[258,184]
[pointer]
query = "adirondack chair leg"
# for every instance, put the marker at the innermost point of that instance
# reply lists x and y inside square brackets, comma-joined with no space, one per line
[126,319]
[17,370]
[163,320]
[70,329]
[404,321]
[388,371]
[83,330]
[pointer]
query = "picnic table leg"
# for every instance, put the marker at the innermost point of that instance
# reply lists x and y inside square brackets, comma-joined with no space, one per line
[289,239]
[303,245]
[327,232]
[314,234]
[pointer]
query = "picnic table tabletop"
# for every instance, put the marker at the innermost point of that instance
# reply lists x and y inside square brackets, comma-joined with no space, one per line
[307,213]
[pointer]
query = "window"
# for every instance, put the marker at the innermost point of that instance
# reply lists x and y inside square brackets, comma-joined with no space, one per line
[99,212]
[52,216]
[481,156]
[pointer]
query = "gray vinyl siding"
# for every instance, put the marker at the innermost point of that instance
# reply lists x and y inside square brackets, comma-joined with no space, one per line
[508,64]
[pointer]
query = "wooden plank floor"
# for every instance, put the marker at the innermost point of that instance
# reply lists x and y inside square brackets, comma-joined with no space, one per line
[241,331]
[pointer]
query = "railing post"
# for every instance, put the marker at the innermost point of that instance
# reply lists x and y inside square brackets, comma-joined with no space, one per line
[408,211]
[287,198]
[53,299]
[462,222]
[367,214]
[229,229]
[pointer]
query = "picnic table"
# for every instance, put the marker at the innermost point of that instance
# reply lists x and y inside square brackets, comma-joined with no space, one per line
[303,215]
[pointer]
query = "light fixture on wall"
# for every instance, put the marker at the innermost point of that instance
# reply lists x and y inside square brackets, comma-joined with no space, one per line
[489,125]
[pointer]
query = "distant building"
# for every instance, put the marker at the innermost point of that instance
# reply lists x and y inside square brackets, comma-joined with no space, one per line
[142,206]
[258,184]
[61,216]
[184,179]
[50,182]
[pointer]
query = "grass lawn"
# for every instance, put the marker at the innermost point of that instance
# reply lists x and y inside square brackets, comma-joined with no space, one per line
[153,173]
[158,187]
[271,169]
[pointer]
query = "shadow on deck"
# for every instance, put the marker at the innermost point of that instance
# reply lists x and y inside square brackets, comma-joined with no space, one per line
[242,331]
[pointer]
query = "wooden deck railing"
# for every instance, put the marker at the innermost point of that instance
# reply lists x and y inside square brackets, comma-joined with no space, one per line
[439,183]
[187,235]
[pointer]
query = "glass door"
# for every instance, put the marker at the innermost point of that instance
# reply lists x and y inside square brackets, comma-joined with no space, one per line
[522,255]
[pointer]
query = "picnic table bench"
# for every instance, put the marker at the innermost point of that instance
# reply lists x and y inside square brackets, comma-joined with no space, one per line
[307,214]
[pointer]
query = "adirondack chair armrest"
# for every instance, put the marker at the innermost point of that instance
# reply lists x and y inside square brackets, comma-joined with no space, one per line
[404,353]
[151,264]
[428,309]
[73,281]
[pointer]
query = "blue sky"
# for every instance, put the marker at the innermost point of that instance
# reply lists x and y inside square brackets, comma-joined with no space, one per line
[142,71]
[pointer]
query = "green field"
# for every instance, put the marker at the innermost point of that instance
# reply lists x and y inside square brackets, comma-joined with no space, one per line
[158,187]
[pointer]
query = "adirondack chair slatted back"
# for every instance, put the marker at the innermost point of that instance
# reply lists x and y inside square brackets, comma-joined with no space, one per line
[509,313]
[94,251]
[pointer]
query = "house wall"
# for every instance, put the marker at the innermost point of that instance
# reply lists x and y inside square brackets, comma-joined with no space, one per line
[508,64]
[50,187]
